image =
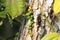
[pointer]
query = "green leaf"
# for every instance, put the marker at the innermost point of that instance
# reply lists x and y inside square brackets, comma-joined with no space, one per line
[50,36]
[2,9]
[15,7]
[3,14]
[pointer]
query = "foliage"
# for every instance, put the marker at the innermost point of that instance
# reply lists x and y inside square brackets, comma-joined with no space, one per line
[11,18]
[29,15]
[51,36]
[56,6]
[15,7]
[12,7]
[2,9]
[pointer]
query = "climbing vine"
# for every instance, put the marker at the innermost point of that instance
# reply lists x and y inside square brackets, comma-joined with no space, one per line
[29,15]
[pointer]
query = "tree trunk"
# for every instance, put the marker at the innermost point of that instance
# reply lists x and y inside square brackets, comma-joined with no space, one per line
[43,17]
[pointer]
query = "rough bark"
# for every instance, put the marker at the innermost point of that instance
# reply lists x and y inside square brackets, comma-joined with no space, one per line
[41,8]
[24,35]
[43,17]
